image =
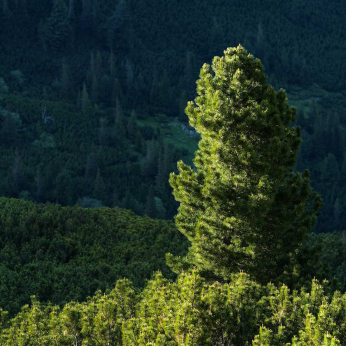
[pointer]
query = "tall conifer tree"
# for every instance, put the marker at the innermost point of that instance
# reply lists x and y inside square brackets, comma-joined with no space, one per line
[65,80]
[243,207]
[57,28]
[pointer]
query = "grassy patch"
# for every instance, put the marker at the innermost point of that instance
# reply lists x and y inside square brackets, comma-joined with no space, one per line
[174,132]
[304,99]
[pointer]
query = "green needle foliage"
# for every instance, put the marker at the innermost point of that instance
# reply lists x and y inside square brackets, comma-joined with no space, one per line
[188,312]
[243,207]
[61,254]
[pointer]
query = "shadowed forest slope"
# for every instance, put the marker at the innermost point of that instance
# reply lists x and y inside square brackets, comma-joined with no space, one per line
[92,93]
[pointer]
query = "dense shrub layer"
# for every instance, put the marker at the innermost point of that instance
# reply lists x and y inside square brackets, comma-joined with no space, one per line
[187,312]
[63,253]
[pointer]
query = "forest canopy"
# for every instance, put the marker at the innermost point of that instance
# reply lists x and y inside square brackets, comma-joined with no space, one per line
[85,86]
[93,98]
[210,302]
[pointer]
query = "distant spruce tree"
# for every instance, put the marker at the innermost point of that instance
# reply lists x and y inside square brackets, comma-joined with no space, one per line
[64,188]
[66,81]
[100,191]
[243,207]
[57,28]
[150,209]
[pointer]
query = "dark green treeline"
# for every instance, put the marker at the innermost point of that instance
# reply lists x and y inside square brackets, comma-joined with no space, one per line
[77,77]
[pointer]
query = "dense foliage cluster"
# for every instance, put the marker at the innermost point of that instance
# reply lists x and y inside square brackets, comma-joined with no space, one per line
[68,253]
[322,256]
[187,312]
[85,87]
[323,151]
[73,71]
[60,254]
[243,207]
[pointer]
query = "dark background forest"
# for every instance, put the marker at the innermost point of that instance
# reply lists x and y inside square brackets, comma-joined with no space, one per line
[92,94]
[92,123]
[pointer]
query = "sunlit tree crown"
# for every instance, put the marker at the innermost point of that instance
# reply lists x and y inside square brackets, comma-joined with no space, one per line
[243,207]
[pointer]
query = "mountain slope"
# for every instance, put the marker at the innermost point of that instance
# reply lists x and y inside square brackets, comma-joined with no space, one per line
[63,253]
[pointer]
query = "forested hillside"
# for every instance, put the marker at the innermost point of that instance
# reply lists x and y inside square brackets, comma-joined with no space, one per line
[61,254]
[99,125]
[91,91]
